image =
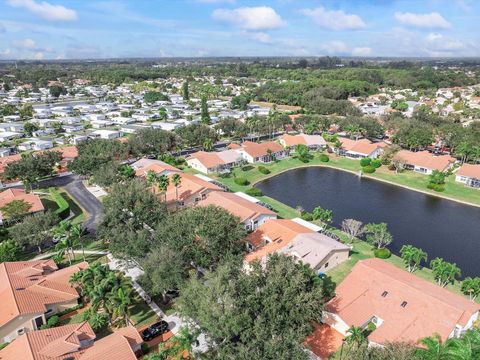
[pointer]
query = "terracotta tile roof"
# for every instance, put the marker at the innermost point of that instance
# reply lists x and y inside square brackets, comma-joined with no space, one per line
[68,152]
[190,185]
[303,139]
[362,146]
[207,159]
[279,232]
[236,205]
[424,159]
[26,287]
[324,340]
[427,308]
[260,149]
[4,161]
[10,195]
[117,346]
[468,170]
[55,343]
[143,166]
[74,341]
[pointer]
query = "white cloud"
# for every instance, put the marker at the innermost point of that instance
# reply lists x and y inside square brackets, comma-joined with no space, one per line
[334,19]
[438,42]
[335,47]
[46,10]
[261,37]
[25,44]
[38,56]
[361,51]
[5,52]
[431,20]
[250,18]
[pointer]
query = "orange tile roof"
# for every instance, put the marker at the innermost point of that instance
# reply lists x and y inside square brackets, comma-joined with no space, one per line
[292,140]
[429,308]
[362,146]
[26,287]
[10,195]
[117,346]
[73,341]
[236,205]
[260,149]
[190,185]
[279,231]
[468,170]
[324,340]
[208,159]
[424,159]
[143,166]
[4,161]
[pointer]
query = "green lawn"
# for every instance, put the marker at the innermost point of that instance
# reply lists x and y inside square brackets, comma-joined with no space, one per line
[50,204]
[141,313]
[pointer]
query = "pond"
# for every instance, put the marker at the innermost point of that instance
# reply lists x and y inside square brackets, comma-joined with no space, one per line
[441,227]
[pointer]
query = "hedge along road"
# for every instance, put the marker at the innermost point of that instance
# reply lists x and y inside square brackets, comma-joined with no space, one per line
[441,227]
[73,185]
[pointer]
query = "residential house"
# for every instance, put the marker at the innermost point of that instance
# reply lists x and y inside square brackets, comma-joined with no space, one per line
[32,291]
[314,142]
[469,175]
[251,215]
[402,306]
[75,342]
[214,162]
[261,152]
[423,162]
[358,149]
[143,166]
[9,195]
[9,135]
[191,191]
[106,134]
[284,236]
[35,144]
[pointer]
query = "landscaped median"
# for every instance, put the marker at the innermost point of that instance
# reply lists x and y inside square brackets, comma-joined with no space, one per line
[58,201]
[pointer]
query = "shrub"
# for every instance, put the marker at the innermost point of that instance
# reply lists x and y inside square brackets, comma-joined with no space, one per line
[369,169]
[247,168]
[307,216]
[241,181]
[436,187]
[263,170]
[382,253]
[63,208]
[3,345]
[324,158]
[376,163]
[145,348]
[254,192]
[51,322]
[365,162]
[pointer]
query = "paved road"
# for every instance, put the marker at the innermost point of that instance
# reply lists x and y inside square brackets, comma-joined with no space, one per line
[75,188]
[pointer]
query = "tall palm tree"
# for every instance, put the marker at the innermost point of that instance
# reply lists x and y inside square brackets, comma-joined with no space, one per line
[62,247]
[151,177]
[77,235]
[177,180]
[433,348]
[163,183]
[207,144]
[122,299]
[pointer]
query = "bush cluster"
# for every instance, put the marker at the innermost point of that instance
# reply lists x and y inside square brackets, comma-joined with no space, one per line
[376,163]
[241,181]
[382,253]
[324,158]
[254,192]
[247,168]
[436,187]
[365,162]
[263,170]
[369,169]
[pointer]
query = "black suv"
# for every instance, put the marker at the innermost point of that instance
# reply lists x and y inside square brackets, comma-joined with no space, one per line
[154,330]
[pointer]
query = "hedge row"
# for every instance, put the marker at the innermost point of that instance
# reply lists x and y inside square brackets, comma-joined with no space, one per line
[63,210]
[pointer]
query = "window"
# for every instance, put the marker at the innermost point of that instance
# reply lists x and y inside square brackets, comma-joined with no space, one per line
[384,294]
[403,304]
[38,322]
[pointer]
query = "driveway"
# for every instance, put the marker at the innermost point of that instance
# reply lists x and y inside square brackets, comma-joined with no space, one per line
[73,185]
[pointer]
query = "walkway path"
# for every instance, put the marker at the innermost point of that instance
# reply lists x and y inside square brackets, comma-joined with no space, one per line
[79,252]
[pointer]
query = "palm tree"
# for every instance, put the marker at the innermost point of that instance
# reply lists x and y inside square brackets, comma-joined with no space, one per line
[412,256]
[355,336]
[77,235]
[433,349]
[122,299]
[151,177]
[62,248]
[163,183]
[126,171]
[207,144]
[177,180]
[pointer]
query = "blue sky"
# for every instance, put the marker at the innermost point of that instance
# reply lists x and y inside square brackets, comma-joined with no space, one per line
[63,29]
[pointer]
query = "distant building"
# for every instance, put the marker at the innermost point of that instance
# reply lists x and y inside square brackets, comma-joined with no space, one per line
[469,175]
[423,162]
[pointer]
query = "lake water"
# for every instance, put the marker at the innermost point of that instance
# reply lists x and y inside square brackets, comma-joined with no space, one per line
[440,227]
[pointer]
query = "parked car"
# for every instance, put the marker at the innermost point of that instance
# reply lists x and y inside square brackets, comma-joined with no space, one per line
[154,330]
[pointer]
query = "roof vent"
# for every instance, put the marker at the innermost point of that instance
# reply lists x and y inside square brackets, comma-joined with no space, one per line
[20,288]
[384,294]
[403,304]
